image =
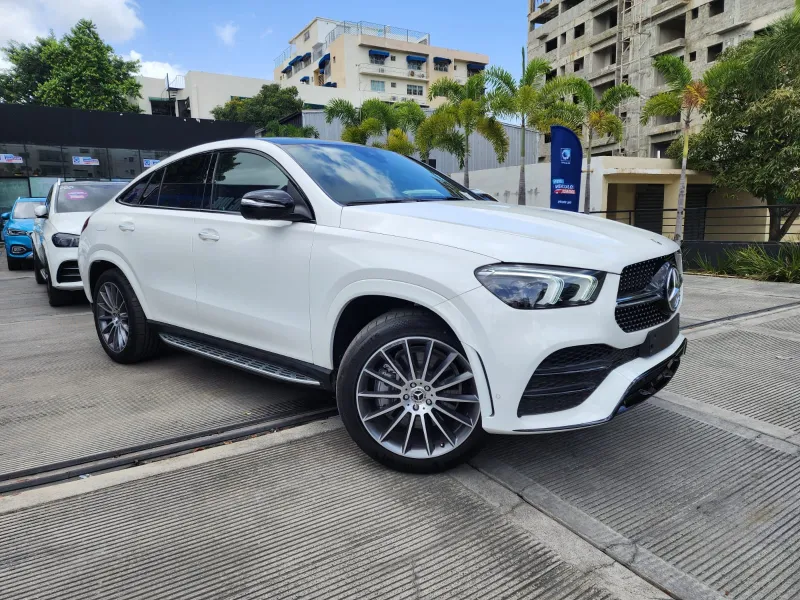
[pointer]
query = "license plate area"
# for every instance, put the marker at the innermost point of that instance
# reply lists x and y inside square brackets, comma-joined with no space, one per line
[660,338]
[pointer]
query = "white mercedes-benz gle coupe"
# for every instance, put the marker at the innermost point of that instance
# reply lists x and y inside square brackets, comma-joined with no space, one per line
[433,315]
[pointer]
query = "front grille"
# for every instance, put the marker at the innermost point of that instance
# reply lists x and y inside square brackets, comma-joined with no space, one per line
[634,280]
[68,272]
[569,376]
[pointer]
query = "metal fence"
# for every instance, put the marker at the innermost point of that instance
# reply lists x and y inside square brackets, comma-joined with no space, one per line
[711,223]
[385,31]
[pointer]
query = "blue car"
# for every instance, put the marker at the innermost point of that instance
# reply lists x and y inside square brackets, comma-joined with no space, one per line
[17,231]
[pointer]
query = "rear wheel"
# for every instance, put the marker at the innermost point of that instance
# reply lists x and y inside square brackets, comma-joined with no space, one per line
[407,395]
[120,321]
[37,269]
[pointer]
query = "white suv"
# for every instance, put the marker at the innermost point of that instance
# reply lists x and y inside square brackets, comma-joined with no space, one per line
[434,316]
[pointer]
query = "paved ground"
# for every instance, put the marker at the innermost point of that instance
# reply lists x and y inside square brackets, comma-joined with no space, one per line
[697,491]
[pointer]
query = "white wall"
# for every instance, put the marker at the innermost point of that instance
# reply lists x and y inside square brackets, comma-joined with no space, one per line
[152,87]
[209,90]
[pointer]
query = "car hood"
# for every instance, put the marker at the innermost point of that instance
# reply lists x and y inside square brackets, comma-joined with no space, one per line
[510,233]
[70,222]
[22,224]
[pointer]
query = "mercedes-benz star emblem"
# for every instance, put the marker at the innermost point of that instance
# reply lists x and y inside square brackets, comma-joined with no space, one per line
[672,288]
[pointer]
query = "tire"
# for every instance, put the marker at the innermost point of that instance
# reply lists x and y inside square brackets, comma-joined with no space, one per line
[421,437]
[37,269]
[113,296]
[55,296]
[13,263]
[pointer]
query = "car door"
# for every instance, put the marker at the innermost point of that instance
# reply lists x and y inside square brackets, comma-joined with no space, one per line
[253,275]
[153,231]
[37,237]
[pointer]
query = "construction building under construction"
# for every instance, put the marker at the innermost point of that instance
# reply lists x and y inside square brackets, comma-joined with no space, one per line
[608,42]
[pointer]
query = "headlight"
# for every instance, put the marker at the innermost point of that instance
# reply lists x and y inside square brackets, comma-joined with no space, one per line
[17,232]
[66,240]
[531,286]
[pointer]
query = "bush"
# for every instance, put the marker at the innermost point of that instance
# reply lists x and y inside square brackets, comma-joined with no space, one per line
[754,262]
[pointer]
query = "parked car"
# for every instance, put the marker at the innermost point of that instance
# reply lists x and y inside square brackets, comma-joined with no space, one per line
[433,316]
[57,232]
[17,228]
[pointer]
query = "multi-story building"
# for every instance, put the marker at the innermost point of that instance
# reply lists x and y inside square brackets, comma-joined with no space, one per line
[364,60]
[195,94]
[608,42]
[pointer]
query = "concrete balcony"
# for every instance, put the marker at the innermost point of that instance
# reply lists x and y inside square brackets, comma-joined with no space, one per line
[598,73]
[665,128]
[670,46]
[599,4]
[396,72]
[601,37]
[668,6]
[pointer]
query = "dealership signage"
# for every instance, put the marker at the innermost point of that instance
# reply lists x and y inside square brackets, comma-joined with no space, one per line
[150,162]
[85,161]
[11,159]
[565,169]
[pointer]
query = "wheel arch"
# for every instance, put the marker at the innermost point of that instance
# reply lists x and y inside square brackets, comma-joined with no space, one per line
[104,260]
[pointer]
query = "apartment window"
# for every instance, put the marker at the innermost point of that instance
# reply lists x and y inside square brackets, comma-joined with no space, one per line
[306,36]
[695,13]
[623,116]
[414,90]
[605,21]
[393,84]
[716,7]
[567,4]
[441,67]
[415,66]
[714,51]
[563,70]
[551,45]
[626,78]
[551,75]
[692,56]
[563,38]
[580,30]
[578,65]
[377,60]
[392,58]
[377,86]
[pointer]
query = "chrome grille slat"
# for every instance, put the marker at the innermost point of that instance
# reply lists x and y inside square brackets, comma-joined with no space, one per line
[634,311]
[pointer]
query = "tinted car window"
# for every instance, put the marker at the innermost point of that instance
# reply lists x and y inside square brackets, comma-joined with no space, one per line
[134,193]
[361,175]
[86,196]
[24,210]
[240,172]
[184,182]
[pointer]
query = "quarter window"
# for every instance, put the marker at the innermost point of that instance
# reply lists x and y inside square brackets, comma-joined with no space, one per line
[240,172]
[184,183]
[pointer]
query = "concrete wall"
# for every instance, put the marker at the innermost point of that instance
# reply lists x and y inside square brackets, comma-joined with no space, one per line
[503,184]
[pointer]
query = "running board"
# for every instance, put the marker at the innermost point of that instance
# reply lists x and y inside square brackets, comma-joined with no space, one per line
[236,359]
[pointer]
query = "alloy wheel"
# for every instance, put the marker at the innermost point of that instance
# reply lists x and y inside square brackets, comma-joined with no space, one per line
[416,397]
[112,316]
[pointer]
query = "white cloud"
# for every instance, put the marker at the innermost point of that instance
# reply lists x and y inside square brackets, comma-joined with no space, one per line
[116,20]
[227,33]
[154,68]
[267,32]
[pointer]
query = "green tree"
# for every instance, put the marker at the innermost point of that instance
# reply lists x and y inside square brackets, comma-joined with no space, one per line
[276,129]
[750,140]
[407,116]
[271,103]
[591,116]
[466,110]
[372,118]
[77,71]
[532,100]
[684,99]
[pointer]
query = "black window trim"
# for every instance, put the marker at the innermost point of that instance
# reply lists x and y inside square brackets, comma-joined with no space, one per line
[212,171]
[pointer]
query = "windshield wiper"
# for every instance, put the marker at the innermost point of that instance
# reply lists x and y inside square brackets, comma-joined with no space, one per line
[435,198]
[382,201]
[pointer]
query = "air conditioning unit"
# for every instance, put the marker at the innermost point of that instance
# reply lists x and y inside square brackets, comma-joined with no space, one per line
[412,73]
[394,98]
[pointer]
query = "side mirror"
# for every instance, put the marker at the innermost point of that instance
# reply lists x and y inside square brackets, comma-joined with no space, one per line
[40,211]
[5,216]
[275,205]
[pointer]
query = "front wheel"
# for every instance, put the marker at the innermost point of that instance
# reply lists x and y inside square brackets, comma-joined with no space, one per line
[14,264]
[37,269]
[407,394]
[55,296]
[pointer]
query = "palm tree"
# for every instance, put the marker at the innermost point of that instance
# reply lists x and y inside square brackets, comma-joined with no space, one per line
[275,129]
[782,41]
[531,100]
[592,116]
[407,116]
[684,98]
[465,110]
[374,117]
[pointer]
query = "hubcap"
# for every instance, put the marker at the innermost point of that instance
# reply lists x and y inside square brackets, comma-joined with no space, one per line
[416,397]
[112,316]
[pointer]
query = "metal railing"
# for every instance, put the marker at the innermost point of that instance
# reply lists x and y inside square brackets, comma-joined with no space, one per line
[284,56]
[717,223]
[385,31]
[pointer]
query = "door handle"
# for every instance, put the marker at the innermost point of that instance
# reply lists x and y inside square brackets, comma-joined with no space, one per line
[127,226]
[208,235]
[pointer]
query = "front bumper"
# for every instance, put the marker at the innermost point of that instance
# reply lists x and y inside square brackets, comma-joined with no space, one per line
[56,257]
[19,246]
[510,344]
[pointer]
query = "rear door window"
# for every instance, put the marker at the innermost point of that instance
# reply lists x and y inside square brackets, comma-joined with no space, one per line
[184,183]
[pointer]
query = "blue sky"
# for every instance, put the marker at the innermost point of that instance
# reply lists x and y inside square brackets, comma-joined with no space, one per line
[242,37]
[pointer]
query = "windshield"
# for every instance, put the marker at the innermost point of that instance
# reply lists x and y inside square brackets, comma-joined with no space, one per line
[86,196]
[363,175]
[24,210]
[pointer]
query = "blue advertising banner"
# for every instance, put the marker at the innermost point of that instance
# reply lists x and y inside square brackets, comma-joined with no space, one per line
[565,169]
